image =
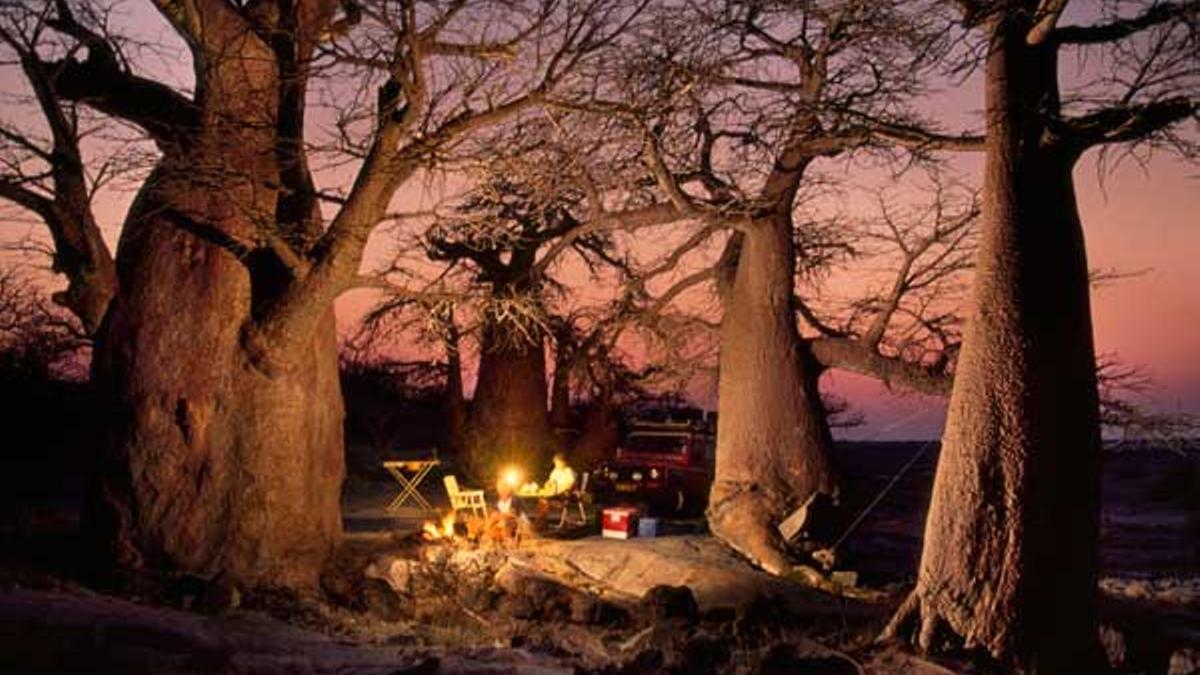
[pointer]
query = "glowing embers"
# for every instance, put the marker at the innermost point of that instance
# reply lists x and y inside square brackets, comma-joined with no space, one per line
[433,531]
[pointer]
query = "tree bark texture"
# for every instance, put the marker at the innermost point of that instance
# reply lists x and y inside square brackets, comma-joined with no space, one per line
[217,465]
[508,424]
[773,444]
[560,391]
[1010,556]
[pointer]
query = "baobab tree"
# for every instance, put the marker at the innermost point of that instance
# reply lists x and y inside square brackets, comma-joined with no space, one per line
[1011,542]
[496,248]
[215,342]
[498,232]
[741,101]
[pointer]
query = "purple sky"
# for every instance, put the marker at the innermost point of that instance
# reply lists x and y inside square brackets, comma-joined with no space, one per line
[1137,217]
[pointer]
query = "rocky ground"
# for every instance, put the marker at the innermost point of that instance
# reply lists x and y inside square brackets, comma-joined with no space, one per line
[395,604]
[677,604]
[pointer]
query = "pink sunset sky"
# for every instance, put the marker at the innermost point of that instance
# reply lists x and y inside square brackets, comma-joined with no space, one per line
[1142,217]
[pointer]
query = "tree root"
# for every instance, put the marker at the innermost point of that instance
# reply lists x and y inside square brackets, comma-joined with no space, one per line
[744,523]
[921,622]
[914,621]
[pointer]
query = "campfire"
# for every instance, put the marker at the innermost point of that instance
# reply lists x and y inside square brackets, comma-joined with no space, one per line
[434,530]
[449,528]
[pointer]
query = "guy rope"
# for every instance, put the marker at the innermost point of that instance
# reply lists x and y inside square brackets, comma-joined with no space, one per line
[827,556]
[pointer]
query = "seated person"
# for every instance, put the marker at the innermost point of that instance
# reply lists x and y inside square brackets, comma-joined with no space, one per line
[562,478]
[557,486]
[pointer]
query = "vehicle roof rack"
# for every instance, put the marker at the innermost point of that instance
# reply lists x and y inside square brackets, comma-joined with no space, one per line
[669,424]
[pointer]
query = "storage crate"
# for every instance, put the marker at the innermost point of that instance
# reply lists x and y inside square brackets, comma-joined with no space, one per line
[647,527]
[619,523]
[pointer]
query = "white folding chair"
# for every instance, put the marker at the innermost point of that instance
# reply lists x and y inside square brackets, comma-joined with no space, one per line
[464,500]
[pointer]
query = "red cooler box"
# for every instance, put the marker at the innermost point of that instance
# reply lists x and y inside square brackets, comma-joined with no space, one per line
[619,523]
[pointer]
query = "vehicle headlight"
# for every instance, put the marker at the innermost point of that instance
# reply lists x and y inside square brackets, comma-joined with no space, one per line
[637,475]
[653,474]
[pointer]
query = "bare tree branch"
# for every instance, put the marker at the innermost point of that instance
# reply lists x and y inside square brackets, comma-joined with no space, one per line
[1045,19]
[1123,124]
[104,84]
[1158,13]
[852,355]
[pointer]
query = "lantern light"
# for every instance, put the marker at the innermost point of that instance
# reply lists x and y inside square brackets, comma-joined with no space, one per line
[511,476]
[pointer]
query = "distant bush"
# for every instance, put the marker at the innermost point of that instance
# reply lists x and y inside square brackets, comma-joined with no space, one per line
[391,406]
[52,420]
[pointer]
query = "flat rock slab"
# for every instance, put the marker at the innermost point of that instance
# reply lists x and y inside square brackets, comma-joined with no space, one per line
[718,578]
[49,632]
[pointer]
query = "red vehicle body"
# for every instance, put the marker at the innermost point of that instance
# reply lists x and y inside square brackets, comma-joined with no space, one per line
[665,467]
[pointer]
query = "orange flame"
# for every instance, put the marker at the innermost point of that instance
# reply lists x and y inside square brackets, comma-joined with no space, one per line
[445,530]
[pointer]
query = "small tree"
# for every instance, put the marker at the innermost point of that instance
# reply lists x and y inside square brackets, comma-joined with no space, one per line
[1131,421]
[38,342]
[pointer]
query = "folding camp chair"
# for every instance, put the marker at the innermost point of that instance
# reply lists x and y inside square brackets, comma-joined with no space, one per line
[577,497]
[464,500]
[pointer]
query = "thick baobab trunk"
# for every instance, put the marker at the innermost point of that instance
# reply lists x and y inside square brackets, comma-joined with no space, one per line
[217,466]
[508,412]
[219,463]
[773,445]
[560,391]
[1010,557]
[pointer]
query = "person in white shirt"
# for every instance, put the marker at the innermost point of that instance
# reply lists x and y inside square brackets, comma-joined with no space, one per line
[561,481]
[562,477]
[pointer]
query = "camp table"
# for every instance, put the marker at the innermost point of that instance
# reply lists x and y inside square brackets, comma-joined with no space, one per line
[533,491]
[409,473]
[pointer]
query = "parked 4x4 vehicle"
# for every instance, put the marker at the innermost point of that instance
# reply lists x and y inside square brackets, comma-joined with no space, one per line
[666,467]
